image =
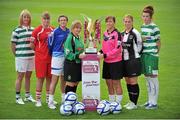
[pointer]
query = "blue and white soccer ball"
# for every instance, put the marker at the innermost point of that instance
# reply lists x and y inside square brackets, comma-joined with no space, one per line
[115,107]
[70,98]
[104,101]
[79,108]
[103,108]
[66,109]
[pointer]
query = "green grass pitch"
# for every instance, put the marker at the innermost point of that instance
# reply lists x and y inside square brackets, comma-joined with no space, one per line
[166,17]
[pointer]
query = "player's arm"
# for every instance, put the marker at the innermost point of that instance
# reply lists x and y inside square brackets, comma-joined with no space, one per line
[157,37]
[14,39]
[33,39]
[158,45]
[139,42]
[13,48]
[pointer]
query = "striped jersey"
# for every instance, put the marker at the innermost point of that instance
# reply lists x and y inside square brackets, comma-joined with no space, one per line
[132,44]
[150,34]
[20,36]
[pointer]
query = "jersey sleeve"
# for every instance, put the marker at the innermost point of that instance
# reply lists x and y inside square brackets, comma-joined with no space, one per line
[69,54]
[14,37]
[117,48]
[51,41]
[34,36]
[139,42]
[157,33]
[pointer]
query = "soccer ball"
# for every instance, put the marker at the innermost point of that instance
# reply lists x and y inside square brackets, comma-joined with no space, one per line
[115,107]
[66,109]
[104,101]
[79,108]
[103,108]
[70,98]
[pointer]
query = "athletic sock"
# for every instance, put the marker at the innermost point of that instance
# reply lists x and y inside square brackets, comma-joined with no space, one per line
[155,90]
[27,94]
[134,93]
[62,97]
[112,98]
[149,89]
[119,98]
[47,96]
[18,95]
[129,90]
[75,88]
[69,89]
[38,95]
[51,98]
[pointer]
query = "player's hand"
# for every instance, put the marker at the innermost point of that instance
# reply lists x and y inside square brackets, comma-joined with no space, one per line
[82,55]
[100,56]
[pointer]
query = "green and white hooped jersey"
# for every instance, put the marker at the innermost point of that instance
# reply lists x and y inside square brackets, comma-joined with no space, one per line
[150,34]
[20,37]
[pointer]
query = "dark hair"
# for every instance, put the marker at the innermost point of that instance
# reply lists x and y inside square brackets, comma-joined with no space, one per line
[62,16]
[149,9]
[110,17]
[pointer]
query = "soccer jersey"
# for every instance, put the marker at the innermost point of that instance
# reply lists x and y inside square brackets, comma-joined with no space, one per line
[40,36]
[73,47]
[56,41]
[150,34]
[20,36]
[111,46]
[132,44]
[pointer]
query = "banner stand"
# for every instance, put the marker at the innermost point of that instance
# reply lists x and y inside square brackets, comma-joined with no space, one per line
[90,81]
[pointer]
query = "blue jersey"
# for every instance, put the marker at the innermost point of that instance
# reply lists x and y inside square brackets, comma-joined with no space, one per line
[56,41]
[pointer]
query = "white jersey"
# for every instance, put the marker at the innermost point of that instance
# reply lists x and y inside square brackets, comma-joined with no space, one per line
[132,44]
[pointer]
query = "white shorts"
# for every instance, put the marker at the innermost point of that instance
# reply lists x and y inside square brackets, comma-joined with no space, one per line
[24,65]
[57,65]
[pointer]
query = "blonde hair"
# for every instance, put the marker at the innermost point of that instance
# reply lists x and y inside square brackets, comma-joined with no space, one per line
[45,15]
[75,24]
[128,16]
[23,13]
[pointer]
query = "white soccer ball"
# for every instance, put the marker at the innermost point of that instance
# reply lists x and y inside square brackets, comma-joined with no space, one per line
[79,108]
[115,107]
[66,109]
[70,98]
[104,101]
[103,108]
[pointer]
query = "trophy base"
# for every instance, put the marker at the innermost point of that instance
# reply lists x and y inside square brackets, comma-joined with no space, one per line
[91,51]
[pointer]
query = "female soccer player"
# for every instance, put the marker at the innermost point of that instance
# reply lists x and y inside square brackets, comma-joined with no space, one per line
[112,54]
[73,53]
[42,56]
[56,45]
[150,56]
[24,55]
[132,46]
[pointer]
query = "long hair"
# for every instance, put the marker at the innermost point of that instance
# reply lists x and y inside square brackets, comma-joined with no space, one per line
[23,13]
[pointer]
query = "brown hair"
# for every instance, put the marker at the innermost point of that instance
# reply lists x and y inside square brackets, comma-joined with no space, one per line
[110,17]
[128,16]
[23,13]
[75,24]
[149,9]
[45,15]
[62,16]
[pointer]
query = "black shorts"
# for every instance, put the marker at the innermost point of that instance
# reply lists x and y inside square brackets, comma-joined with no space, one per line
[132,68]
[112,70]
[72,71]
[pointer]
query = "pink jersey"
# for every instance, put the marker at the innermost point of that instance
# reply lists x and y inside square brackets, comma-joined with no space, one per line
[111,46]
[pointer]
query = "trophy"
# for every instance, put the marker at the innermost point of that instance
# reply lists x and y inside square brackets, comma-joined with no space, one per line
[92,34]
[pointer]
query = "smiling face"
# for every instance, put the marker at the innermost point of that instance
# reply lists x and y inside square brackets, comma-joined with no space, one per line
[26,20]
[45,21]
[146,18]
[128,23]
[76,30]
[110,24]
[63,22]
